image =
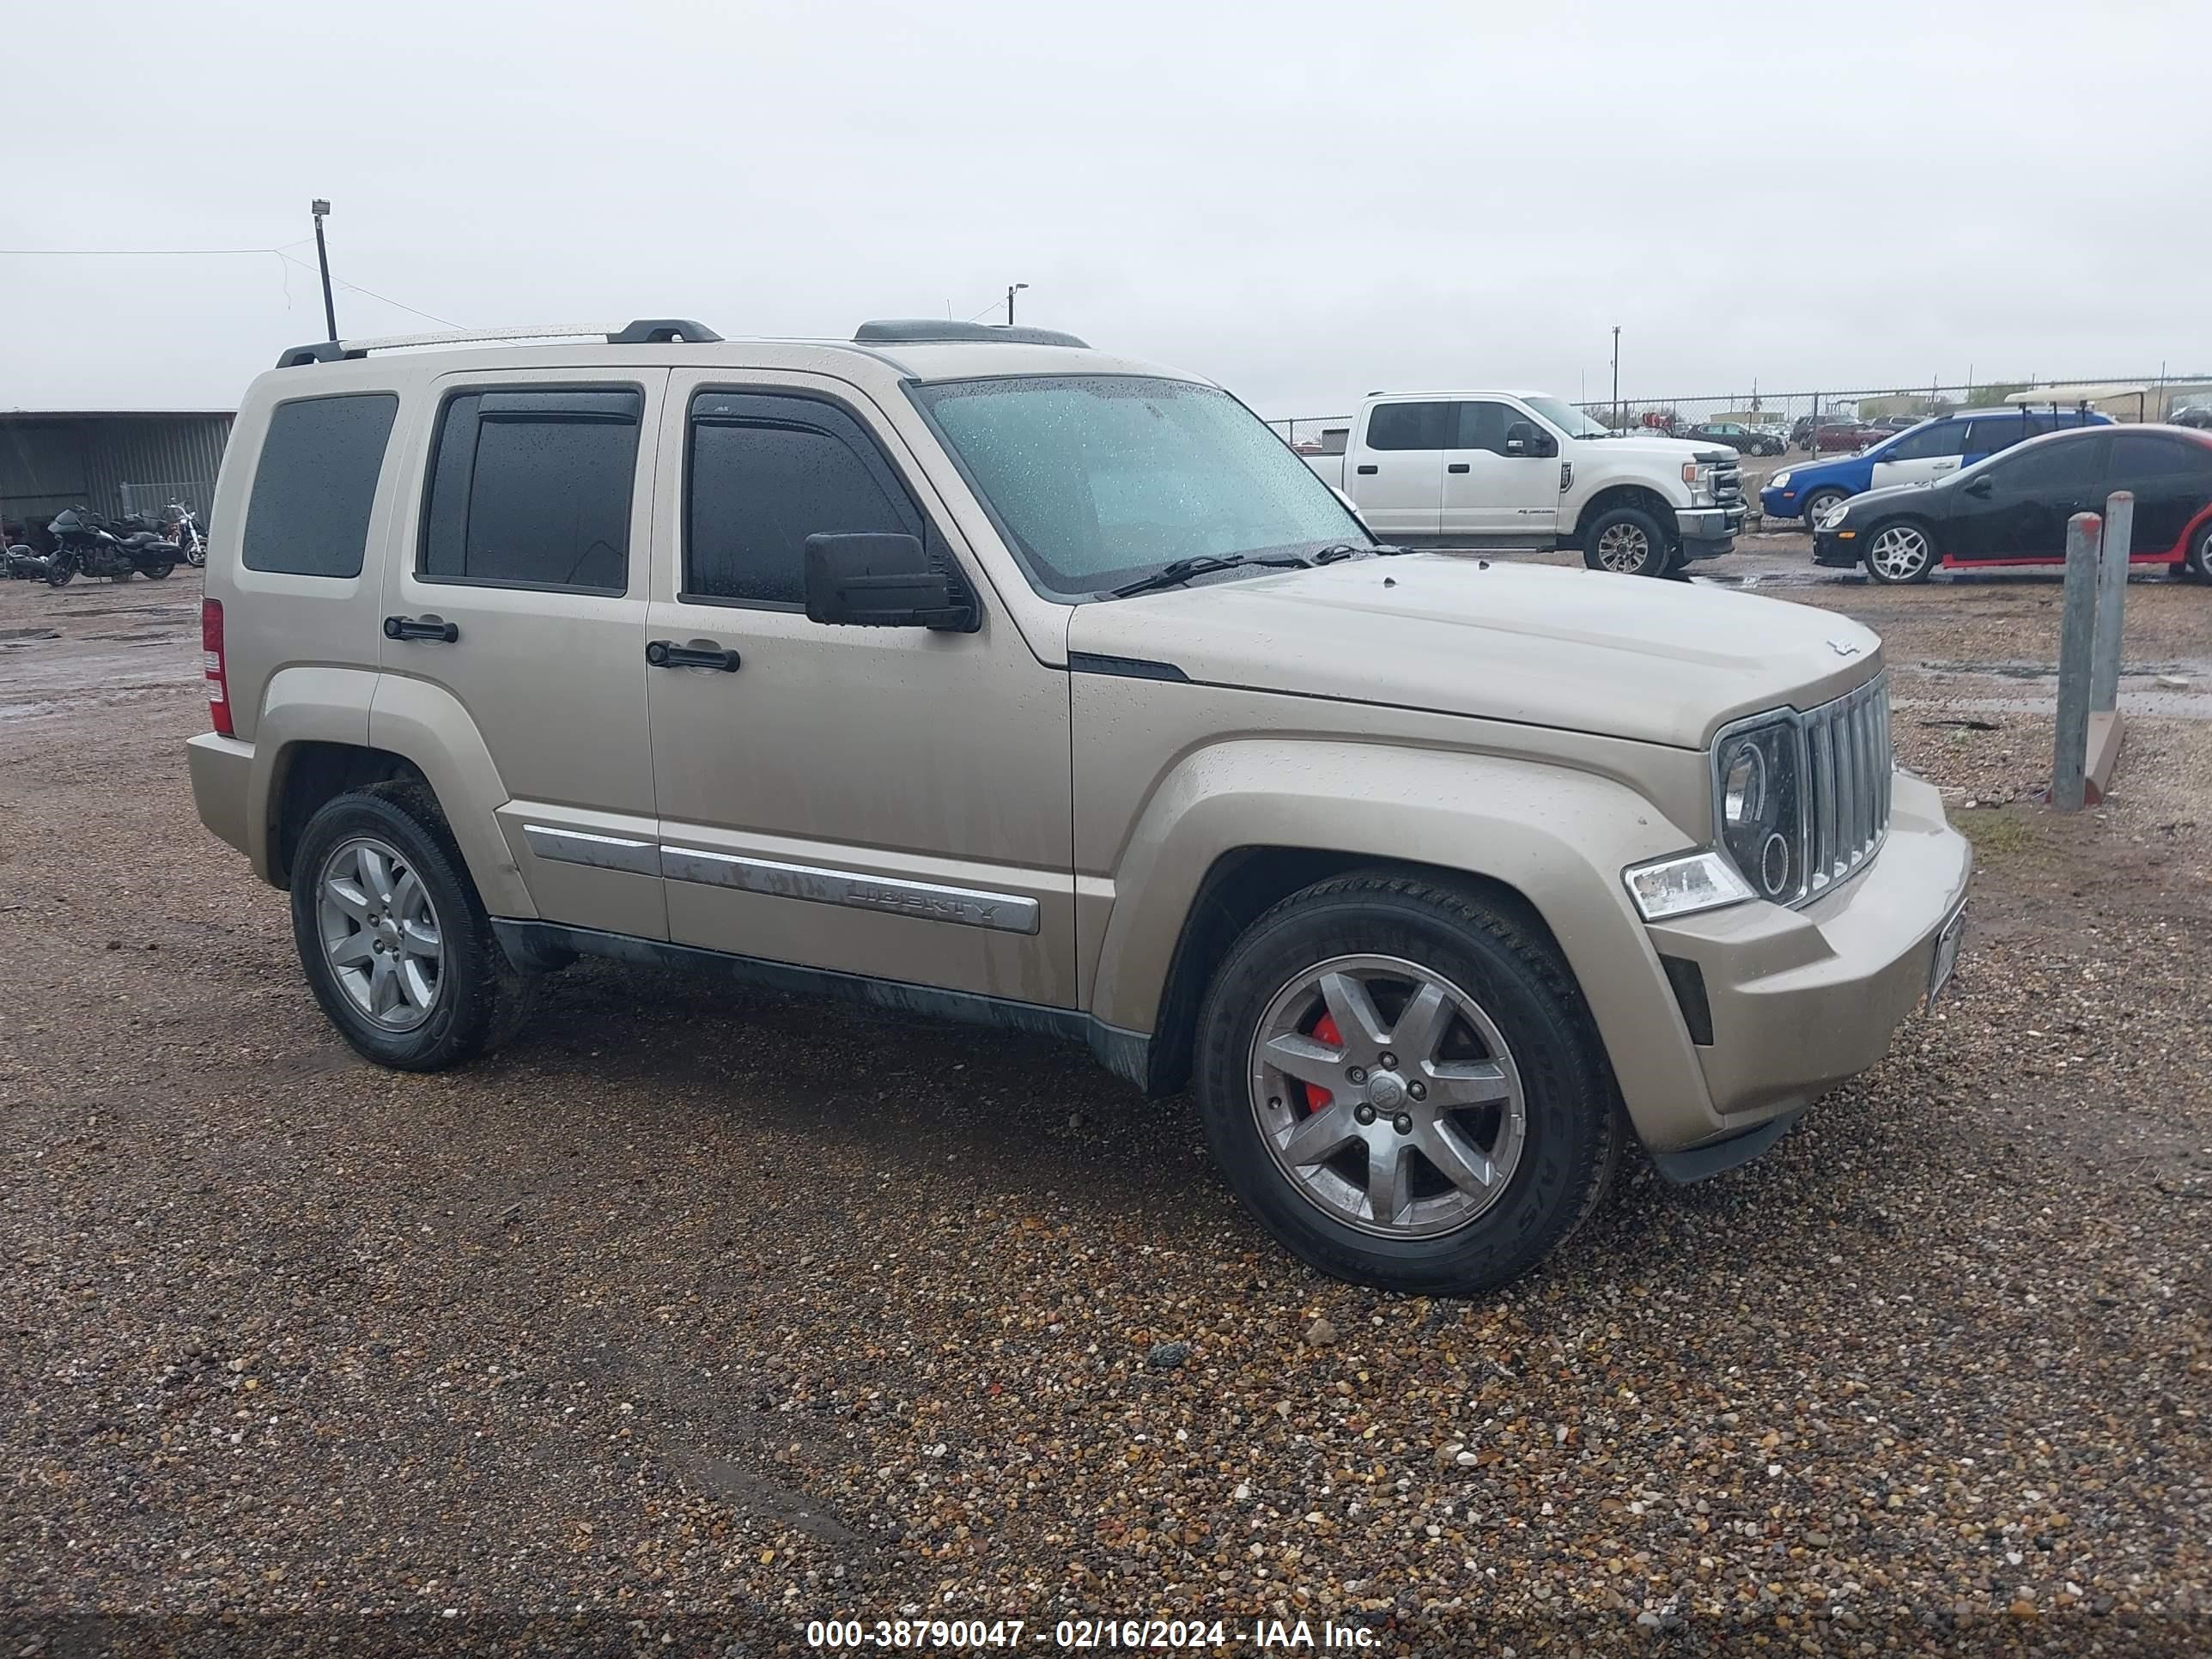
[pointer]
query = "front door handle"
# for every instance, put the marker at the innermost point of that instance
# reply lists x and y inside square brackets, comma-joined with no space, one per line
[1365,471]
[1456,466]
[420,627]
[666,654]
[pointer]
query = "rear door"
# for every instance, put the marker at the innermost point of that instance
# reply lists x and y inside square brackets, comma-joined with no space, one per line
[1926,453]
[1492,490]
[525,604]
[2016,507]
[2171,481]
[1397,472]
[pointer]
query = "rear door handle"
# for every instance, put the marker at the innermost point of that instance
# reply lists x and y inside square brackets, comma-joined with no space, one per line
[1366,471]
[666,654]
[420,627]
[1456,466]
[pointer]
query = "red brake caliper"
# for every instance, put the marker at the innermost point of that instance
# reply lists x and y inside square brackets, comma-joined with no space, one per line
[1317,1098]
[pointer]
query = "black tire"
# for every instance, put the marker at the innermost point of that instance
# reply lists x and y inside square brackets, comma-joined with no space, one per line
[482,997]
[1658,547]
[1573,1122]
[1888,572]
[60,572]
[2196,564]
[1815,505]
[158,572]
[196,556]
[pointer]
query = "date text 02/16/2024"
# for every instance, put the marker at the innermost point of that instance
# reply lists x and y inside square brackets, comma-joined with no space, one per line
[1077,1635]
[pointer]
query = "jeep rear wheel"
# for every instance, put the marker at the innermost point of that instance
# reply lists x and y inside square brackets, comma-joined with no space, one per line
[1402,1083]
[1627,541]
[393,937]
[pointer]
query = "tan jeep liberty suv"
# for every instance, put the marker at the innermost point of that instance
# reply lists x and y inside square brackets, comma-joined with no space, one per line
[974,672]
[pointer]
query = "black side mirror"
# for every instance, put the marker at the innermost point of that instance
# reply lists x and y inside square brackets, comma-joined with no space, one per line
[875,581]
[1981,486]
[1522,438]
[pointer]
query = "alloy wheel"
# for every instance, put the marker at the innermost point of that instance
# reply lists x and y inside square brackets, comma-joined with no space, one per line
[1899,553]
[380,932]
[1387,1096]
[1625,549]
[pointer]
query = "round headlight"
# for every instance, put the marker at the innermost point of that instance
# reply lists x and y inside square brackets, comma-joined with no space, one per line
[1744,791]
[1780,480]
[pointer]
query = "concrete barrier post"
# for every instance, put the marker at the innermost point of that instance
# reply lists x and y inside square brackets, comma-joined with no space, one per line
[2077,623]
[2111,601]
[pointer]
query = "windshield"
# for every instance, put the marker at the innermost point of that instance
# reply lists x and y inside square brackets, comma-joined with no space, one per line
[1569,419]
[1099,480]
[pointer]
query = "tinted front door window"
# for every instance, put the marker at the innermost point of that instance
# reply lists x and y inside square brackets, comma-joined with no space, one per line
[765,474]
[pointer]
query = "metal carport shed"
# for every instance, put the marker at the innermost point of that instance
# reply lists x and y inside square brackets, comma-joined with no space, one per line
[113,461]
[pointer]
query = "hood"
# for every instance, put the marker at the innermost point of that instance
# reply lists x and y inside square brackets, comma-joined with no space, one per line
[1889,493]
[1665,450]
[1538,645]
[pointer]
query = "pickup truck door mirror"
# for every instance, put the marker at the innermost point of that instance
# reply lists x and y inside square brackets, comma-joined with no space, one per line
[875,581]
[1522,438]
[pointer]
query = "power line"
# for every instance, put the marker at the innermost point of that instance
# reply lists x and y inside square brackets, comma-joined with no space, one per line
[412,311]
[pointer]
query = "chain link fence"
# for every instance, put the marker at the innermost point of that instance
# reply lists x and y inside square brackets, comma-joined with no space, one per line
[156,501]
[1839,422]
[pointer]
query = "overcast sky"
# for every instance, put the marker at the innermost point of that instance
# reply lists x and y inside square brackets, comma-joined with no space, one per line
[1304,202]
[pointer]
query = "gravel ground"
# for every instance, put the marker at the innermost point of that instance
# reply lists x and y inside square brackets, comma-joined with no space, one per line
[656,1332]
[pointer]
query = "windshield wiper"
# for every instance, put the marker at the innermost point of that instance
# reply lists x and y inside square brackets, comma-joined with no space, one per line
[1183,569]
[1336,551]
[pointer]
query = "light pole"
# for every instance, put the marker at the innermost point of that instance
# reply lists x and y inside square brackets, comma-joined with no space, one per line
[320,208]
[1616,378]
[1012,288]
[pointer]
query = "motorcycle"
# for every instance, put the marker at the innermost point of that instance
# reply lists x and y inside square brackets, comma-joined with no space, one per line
[84,546]
[185,529]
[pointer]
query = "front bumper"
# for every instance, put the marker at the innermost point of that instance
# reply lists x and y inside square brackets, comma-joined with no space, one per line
[1705,533]
[1781,503]
[1798,1000]
[1840,549]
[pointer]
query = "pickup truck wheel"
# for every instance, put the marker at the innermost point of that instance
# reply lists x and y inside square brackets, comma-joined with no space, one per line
[1627,541]
[393,937]
[1899,551]
[1403,1085]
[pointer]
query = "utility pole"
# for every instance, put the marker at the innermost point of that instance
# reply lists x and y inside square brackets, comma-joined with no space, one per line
[320,208]
[1618,423]
[1012,288]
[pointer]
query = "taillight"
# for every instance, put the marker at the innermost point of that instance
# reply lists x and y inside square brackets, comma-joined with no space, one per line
[218,681]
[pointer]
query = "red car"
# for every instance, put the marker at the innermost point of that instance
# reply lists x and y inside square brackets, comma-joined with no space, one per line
[1846,437]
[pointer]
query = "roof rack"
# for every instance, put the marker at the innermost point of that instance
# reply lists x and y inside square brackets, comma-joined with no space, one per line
[917,331]
[645,331]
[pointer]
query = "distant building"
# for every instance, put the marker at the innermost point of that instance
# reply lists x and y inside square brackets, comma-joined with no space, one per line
[113,461]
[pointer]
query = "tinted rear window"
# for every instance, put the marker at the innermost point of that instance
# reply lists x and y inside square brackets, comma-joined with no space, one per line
[1410,426]
[532,489]
[315,483]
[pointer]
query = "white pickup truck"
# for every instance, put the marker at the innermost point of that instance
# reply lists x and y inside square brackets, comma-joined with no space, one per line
[1519,469]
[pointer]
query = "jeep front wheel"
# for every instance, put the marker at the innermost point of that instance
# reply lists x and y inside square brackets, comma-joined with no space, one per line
[1401,1083]
[1627,541]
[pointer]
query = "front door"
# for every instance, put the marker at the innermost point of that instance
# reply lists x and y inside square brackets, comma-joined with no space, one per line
[521,623]
[1397,469]
[2016,505]
[885,802]
[1922,454]
[1492,490]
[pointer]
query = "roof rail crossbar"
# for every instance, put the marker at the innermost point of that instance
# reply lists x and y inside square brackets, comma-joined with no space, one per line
[649,331]
[917,331]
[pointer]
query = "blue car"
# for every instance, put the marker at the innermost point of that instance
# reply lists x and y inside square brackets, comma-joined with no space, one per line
[1928,451]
